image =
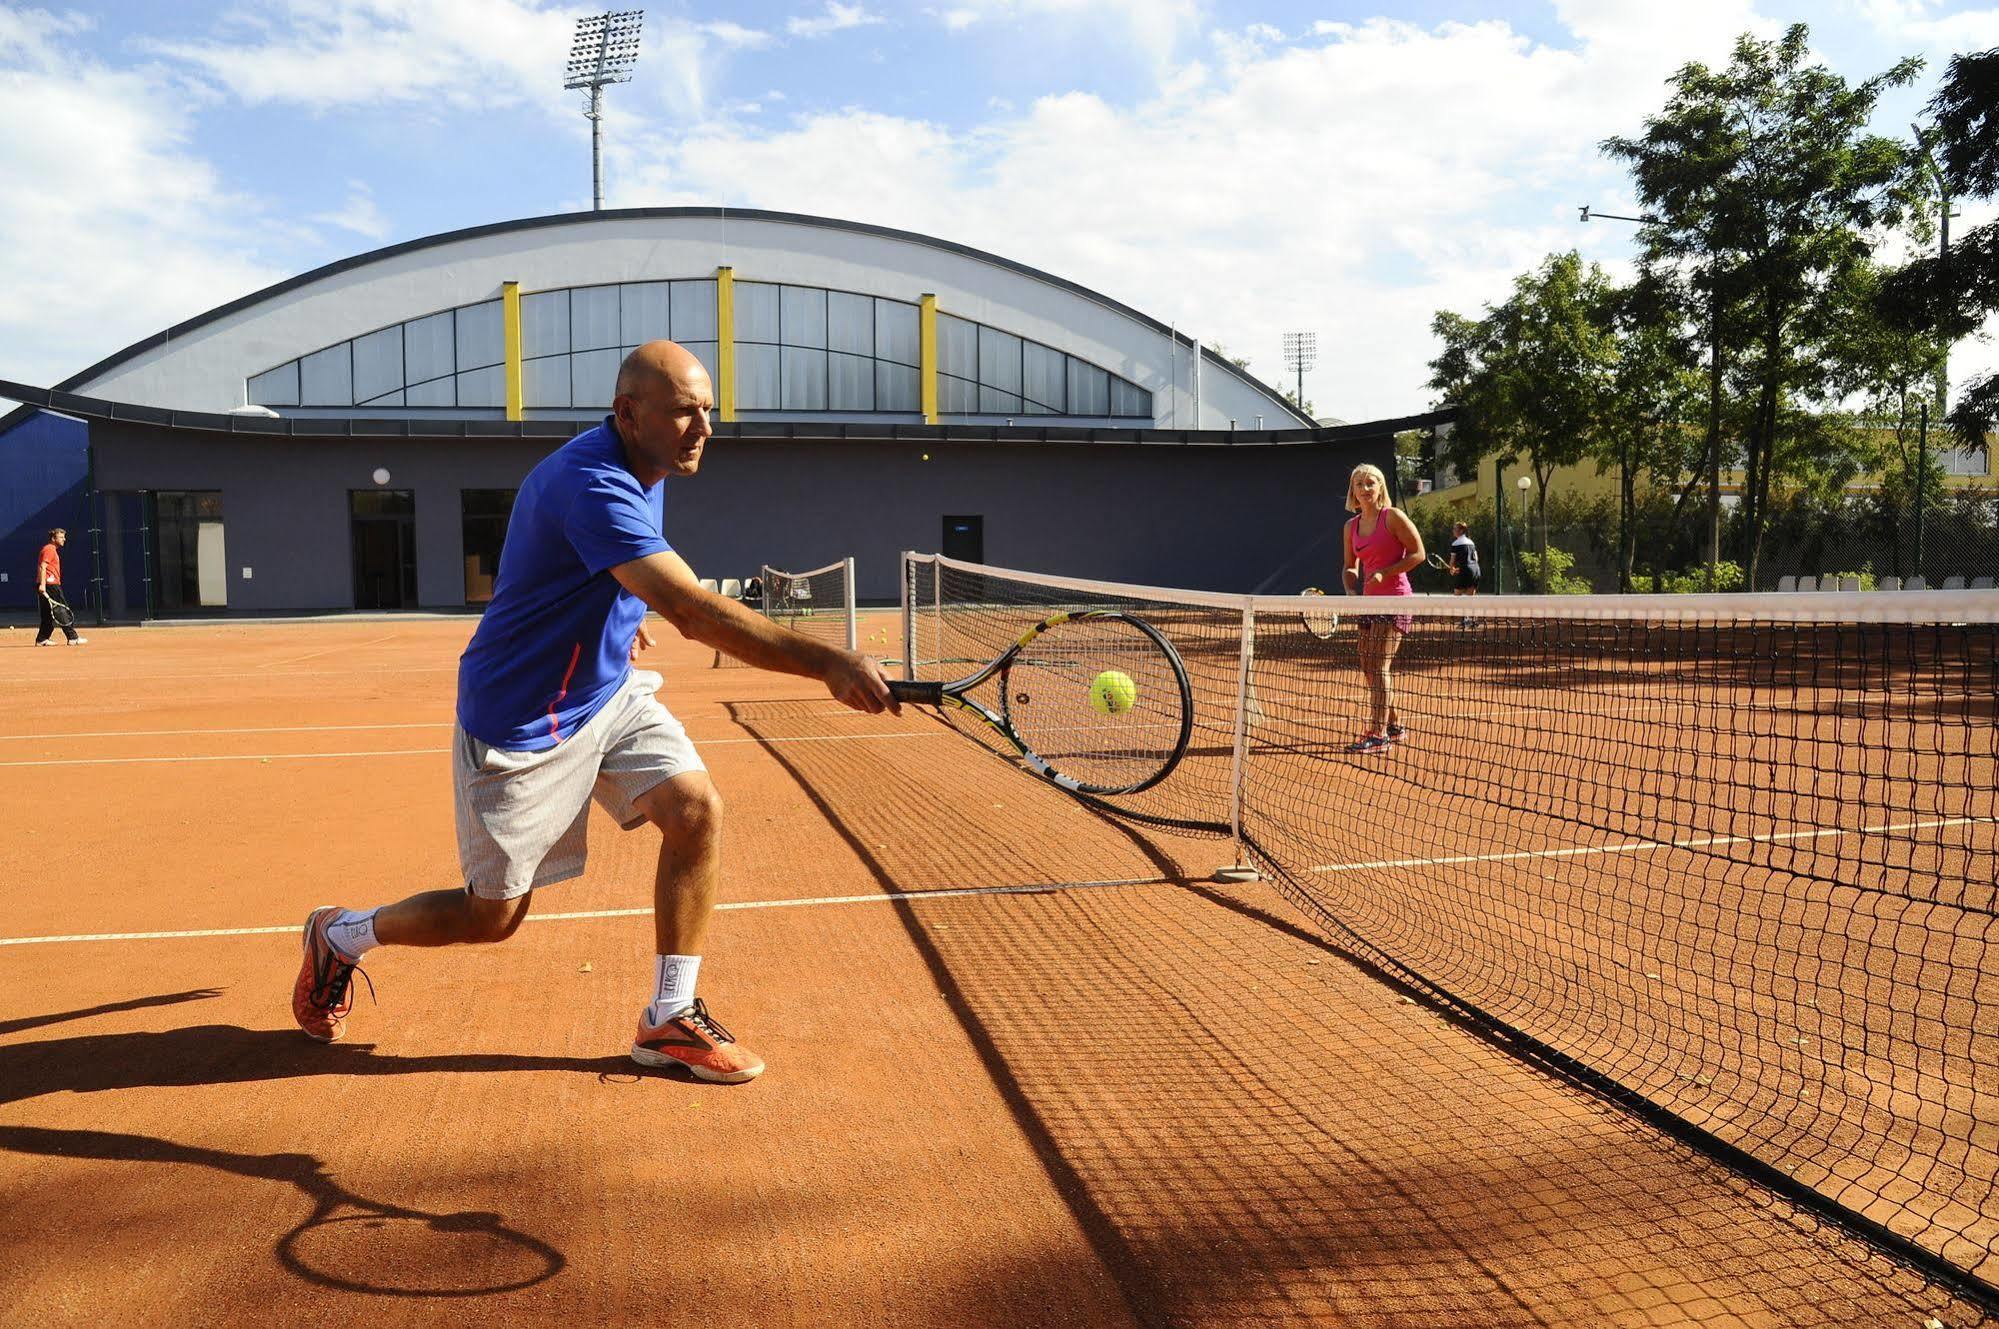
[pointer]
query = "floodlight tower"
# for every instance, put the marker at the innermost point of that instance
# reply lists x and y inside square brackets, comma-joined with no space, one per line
[606,48]
[1301,352]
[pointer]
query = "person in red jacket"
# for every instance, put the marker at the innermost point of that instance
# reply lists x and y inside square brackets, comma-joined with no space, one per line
[48,590]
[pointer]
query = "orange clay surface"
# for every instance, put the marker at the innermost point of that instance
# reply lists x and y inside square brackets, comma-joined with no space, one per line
[1153,1101]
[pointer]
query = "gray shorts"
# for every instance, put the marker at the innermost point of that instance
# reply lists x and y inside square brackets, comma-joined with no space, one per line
[523,817]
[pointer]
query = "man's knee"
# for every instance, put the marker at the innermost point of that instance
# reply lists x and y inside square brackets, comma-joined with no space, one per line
[494,920]
[687,809]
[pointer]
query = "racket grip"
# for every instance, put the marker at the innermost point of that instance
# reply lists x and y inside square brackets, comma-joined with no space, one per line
[916,694]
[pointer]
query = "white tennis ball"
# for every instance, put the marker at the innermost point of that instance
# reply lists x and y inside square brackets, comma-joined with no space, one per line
[1113,692]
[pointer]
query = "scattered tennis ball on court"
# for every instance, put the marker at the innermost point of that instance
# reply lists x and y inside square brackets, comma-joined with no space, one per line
[1113,692]
[926,456]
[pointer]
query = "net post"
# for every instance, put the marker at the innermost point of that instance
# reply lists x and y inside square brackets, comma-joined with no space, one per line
[1245,658]
[906,563]
[853,616]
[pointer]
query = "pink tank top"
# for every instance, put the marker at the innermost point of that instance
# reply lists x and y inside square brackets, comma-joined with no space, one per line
[1377,551]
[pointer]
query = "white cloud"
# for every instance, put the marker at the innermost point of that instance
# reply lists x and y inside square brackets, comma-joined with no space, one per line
[837,18]
[110,227]
[1156,29]
[358,214]
[736,37]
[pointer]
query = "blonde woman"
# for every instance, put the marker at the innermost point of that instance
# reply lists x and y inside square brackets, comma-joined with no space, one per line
[1382,545]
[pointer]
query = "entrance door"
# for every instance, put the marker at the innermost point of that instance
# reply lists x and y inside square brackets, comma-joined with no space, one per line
[384,526]
[965,539]
[188,551]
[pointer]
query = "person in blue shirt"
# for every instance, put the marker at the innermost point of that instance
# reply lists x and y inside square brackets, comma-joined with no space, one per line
[551,713]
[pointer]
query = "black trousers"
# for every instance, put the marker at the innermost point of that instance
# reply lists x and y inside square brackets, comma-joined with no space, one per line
[48,627]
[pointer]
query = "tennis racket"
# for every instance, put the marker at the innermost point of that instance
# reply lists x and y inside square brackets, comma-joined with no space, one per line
[1094,700]
[1439,562]
[60,612]
[1320,624]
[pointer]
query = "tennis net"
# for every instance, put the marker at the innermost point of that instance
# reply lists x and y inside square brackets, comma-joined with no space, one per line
[1730,859]
[819,603]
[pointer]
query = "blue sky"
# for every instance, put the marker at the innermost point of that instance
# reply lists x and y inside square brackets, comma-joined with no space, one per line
[1238,169]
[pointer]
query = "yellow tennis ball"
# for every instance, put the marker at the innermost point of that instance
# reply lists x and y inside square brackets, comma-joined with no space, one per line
[1113,692]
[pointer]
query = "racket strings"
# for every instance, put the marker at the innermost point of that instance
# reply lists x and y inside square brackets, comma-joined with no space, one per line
[1111,734]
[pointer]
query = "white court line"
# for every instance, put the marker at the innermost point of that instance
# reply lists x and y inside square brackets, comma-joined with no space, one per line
[335,650]
[1648,846]
[256,729]
[1046,888]
[435,752]
[202,675]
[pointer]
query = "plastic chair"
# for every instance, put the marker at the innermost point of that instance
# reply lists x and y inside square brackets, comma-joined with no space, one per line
[709,584]
[1915,583]
[1808,583]
[1981,583]
[1953,582]
[732,587]
[1888,584]
[1787,583]
[1849,583]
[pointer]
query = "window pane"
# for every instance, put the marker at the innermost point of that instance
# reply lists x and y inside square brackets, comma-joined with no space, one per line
[804,379]
[1028,406]
[544,324]
[897,387]
[593,378]
[485,513]
[382,502]
[324,377]
[705,352]
[1042,379]
[479,336]
[994,402]
[378,363]
[899,332]
[1128,399]
[545,382]
[958,347]
[756,378]
[593,318]
[276,387]
[850,383]
[756,311]
[437,392]
[957,396]
[694,312]
[999,360]
[1089,389]
[483,387]
[427,351]
[386,399]
[804,316]
[643,312]
[850,322]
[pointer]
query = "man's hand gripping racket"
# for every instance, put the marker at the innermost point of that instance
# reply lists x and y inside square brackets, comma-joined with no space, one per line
[1095,701]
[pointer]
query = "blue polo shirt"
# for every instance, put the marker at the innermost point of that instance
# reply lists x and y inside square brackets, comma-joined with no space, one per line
[555,643]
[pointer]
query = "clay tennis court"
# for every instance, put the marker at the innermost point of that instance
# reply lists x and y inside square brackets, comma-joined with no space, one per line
[1028,1066]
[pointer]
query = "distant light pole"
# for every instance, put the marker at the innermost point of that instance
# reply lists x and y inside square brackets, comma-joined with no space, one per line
[605,49]
[1301,352]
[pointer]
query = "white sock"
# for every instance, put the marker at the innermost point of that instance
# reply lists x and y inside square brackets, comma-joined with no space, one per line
[353,933]
[672,986]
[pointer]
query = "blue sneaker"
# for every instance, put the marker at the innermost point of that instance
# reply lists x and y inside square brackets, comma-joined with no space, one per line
[1395,733]
[1369,743]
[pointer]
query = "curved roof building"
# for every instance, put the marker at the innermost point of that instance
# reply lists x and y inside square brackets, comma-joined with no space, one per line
[876,390]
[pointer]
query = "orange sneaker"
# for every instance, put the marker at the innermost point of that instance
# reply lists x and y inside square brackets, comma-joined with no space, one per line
[324,992]
[693,1040]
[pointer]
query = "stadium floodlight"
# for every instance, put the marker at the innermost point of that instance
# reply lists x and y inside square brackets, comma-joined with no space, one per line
[605,49]
[1301,352]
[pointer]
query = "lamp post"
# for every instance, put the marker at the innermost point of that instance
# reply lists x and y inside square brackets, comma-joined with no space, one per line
[605,49]
[1524,484]
[1301,352]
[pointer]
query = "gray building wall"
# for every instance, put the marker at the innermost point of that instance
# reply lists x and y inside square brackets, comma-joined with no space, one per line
[1211,518]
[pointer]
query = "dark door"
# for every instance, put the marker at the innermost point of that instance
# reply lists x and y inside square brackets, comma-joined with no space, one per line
[965,539]
[384,524]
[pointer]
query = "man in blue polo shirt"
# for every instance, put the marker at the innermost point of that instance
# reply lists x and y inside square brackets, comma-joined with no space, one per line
[551,713]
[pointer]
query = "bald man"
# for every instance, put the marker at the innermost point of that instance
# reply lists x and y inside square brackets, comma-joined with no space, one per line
[551,713]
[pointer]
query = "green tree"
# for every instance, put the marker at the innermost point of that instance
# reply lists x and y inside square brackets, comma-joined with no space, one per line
[1530,377]
[1764,185]
[1651,410]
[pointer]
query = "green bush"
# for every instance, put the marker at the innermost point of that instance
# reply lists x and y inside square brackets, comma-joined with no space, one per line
[1867,582]
[1558,580]
[1727,577]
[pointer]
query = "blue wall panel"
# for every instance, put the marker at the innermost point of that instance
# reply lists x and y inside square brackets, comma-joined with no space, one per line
[44,472]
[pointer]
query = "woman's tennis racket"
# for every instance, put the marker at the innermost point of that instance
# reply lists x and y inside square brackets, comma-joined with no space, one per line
[1320,625]
[1095,701]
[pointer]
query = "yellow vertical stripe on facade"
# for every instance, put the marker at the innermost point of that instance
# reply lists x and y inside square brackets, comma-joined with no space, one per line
[510,341]
[725,343]
[929,326]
